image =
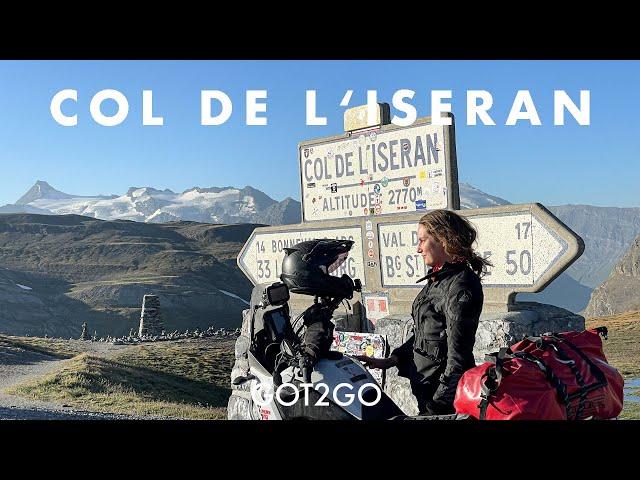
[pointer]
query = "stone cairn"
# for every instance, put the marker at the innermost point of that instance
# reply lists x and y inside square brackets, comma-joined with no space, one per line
[84,335]
[150,319]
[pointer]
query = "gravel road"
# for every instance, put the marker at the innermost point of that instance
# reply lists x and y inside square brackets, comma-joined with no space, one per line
[18,365]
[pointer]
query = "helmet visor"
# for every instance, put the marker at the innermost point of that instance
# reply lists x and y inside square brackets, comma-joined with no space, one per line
[338,261]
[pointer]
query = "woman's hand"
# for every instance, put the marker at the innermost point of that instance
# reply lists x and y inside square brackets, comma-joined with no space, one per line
[382,363]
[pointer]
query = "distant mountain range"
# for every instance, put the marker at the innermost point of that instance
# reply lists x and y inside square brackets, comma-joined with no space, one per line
[226,205]
[607,231]
[208,205]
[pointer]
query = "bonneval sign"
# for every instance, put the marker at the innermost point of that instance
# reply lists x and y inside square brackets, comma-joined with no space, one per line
[379,171]
[261,257]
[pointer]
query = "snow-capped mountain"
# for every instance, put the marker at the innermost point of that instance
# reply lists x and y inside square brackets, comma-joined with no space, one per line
[146,204]
[210,205]
[14,208]
[471,197]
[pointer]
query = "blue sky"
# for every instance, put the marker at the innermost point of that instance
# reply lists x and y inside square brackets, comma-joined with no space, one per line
[596,164]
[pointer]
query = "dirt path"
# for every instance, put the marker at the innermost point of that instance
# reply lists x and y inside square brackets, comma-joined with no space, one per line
[18,365]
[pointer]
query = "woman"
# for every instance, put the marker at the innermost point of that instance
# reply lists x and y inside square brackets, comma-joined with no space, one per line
[445,313]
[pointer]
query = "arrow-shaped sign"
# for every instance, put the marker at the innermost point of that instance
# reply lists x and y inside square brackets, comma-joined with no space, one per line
[261,257]
[527,246]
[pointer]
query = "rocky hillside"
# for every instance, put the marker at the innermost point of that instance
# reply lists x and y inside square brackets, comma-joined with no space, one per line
[608,232]
[58,271]
[621,291]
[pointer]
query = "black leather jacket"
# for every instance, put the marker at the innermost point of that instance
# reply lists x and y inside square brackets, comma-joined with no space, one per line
[445,315]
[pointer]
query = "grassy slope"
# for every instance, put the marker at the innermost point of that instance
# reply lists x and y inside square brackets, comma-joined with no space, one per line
[622,350]
[50,346]
[186,379]
[190,379]
[622,346]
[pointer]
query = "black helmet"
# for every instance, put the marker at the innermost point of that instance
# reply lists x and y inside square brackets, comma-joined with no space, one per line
[306,267]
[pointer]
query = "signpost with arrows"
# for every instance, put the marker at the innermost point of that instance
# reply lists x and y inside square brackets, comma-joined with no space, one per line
[372,185]
[527,245]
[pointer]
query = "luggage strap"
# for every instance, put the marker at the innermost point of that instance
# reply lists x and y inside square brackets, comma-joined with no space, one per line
[493,379]
[601,380]
[495,373]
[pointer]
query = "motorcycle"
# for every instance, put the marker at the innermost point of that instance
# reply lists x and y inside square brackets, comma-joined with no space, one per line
[286,383]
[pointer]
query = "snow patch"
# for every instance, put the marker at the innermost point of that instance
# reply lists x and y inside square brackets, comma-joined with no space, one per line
[24,287]
[229,294]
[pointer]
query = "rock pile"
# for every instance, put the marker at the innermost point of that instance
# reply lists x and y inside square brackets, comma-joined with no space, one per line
[175,335]
[84,335]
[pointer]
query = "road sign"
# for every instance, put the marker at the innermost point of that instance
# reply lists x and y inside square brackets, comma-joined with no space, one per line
[527,245]
[382,171]
[261,257]
[522,243]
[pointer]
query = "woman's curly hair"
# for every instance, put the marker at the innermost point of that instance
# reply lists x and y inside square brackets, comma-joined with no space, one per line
[456,235]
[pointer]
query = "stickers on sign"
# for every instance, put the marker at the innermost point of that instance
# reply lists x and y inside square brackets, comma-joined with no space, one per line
[311,185]
[406,181]
[405,146]
[368,225]
[376,305]
[376,188]
[435,173]
[422,175]
[306,153]
[372,263]
[334,187]
[370,253]
[435,187]
[378,209]
[366,211]
[370,235]
[385,181]
[350,213]
[362,182]
[372,136]
[330,154]
[421,204]
[370,244]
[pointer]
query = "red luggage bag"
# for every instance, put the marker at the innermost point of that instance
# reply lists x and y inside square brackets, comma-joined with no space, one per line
[556,376]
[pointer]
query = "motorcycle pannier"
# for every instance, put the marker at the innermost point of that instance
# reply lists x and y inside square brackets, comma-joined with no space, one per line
[555,376]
